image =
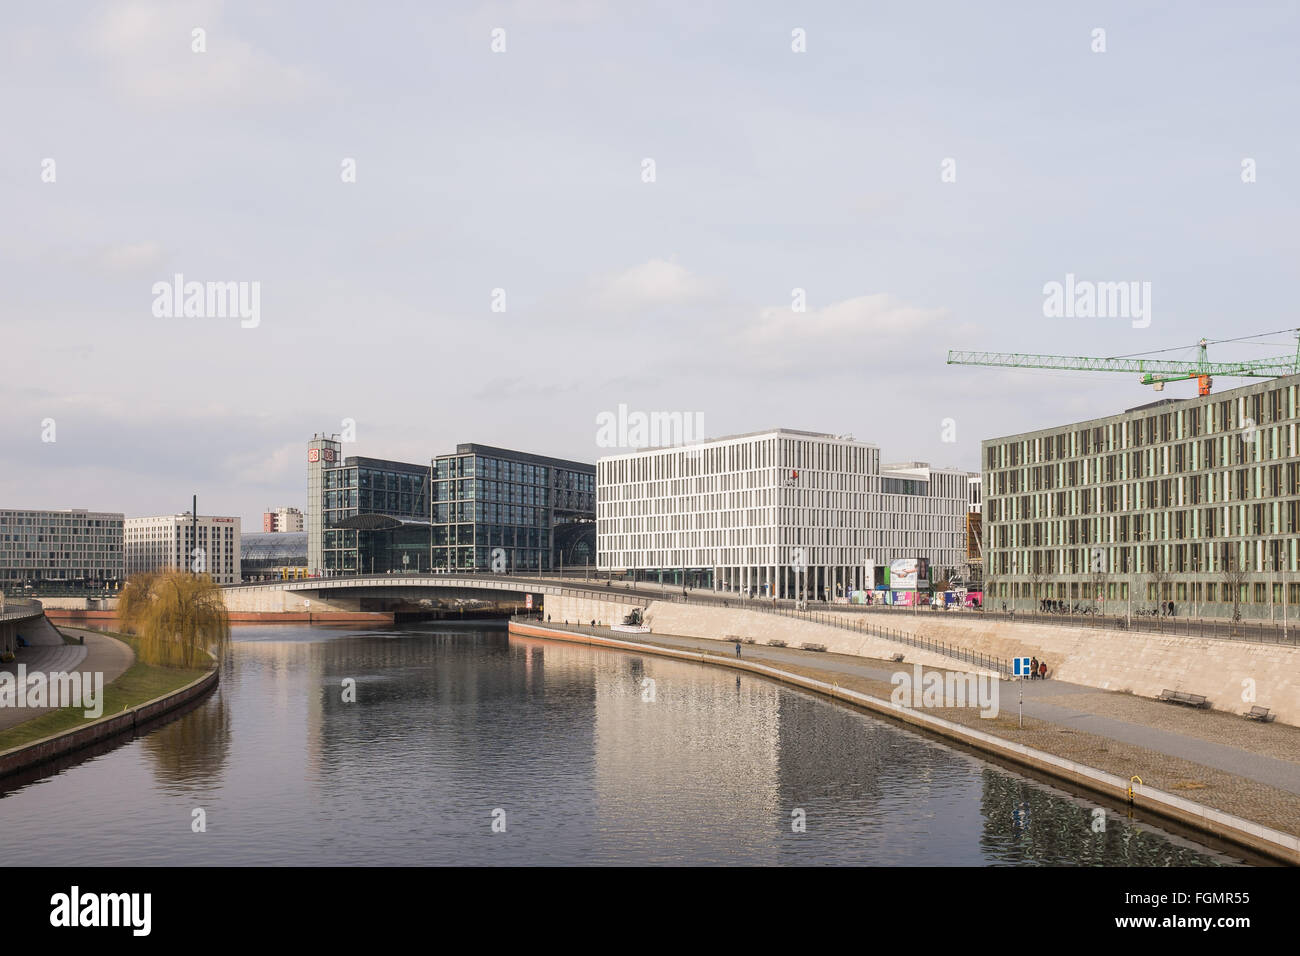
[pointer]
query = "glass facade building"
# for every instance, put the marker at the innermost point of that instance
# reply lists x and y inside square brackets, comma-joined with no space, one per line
[540,512]
[370,515]
[362,487]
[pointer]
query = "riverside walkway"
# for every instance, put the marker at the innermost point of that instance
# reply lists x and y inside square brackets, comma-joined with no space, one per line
[1218,759]
[100,654]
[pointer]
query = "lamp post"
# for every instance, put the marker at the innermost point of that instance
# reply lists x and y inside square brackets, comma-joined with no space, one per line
[1137,539]
[800,567]
[1196,572]
[1268,563]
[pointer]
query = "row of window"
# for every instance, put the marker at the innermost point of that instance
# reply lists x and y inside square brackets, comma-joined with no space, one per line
[1247,412]
[1200,592]
[1245,555]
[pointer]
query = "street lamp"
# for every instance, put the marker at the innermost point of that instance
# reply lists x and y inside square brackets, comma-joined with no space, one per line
[1286,566]
[1196,572]
[1271,568]
[1137,548]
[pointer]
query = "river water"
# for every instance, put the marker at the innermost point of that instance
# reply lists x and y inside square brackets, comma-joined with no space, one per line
[466,746]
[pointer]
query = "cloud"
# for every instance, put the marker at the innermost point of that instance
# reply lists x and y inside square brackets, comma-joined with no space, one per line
[549,12]
[146,48]
[129,257]
[863,319]
[658,282]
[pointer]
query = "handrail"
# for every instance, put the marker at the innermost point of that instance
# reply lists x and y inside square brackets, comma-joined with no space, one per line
[997,665]
[641,593]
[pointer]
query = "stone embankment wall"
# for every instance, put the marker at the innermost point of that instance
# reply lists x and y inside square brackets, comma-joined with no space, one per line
[584,610]
[46,749]
[1234,675]
[721,623]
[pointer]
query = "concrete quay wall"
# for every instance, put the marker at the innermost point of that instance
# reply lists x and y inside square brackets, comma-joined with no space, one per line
[583,610]
[1234,675]
[722,623]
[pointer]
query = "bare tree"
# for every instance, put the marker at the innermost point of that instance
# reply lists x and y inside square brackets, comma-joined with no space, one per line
[1235,579]
[1158,578]
[1036,578]
[1097,576]
[1097,584]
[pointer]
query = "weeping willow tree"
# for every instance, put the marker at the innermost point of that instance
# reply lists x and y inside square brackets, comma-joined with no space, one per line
[177,618]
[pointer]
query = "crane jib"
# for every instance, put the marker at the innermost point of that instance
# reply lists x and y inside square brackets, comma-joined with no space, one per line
[1153,371]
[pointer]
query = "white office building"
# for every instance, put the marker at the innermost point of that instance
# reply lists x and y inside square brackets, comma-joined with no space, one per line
[282,520]
[73,549]
[165,542]
[747,512]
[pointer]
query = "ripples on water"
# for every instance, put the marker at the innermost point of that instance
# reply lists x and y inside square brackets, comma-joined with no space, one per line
[451,724]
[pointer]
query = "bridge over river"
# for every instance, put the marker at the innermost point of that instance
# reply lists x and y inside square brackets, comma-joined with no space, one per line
[341,597]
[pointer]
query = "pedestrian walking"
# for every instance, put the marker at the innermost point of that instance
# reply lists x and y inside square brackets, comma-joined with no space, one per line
[1042,670]
[1033,668]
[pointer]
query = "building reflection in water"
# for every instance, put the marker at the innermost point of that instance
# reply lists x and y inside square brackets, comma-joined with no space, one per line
[594,756]
[1028,823]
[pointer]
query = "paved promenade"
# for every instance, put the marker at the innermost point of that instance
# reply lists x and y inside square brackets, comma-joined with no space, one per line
[100,654]
[1218,759]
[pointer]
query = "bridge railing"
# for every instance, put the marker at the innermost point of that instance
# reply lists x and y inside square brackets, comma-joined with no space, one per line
[485,581]
[1260,632]
[998,665]
[19,608]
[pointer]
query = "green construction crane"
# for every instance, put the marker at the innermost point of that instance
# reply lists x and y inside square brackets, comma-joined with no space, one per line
[1154,371]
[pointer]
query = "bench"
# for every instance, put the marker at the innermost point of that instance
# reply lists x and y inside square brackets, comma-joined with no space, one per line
[1179,697]
[1259,713]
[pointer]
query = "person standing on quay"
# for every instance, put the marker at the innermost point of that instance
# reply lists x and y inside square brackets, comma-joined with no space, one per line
[737,648]
[1042,670]
[1033,668]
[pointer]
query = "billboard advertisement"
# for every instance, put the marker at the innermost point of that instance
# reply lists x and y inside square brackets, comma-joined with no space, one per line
[909,574]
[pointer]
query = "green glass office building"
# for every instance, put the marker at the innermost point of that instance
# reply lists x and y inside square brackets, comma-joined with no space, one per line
[478,509]
[528,511]
[1194,502]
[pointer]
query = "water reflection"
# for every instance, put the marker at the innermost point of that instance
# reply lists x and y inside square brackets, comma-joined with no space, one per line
[190,754]
[592,756]
[1025,823]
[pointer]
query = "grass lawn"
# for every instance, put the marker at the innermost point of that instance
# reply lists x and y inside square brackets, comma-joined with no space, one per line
[139,683]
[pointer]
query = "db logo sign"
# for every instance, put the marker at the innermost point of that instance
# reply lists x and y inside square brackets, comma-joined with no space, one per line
[313,454]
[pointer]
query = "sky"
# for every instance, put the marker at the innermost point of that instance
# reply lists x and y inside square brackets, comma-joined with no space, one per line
[493,222]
